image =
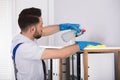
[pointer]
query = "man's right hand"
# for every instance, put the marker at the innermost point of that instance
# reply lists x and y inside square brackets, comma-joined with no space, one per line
[67,26]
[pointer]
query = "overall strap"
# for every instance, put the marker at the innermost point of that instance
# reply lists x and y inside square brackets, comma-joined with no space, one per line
[13,57]
[14,51]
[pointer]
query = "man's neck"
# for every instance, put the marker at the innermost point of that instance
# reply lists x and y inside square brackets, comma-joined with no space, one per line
[28,35]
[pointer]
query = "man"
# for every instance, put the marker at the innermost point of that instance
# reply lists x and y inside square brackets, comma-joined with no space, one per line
[27,55]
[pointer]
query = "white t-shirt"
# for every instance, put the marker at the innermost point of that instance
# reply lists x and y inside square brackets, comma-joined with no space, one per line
[27,59]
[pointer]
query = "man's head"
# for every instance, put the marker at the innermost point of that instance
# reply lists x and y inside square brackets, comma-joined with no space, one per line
[30,20]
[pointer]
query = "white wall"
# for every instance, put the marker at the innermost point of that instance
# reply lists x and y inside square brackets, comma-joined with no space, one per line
[5,40]
[101,19]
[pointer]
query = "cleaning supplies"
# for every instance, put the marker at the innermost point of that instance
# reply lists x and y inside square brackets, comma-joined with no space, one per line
[97,46]
[71,35]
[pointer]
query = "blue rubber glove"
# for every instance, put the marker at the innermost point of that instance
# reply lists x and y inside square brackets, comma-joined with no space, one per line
[83,44]
[67,26]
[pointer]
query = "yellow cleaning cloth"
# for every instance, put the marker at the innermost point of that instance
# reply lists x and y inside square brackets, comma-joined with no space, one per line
[97,46]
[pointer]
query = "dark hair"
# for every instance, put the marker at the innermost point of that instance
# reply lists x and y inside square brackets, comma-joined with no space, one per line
[28,17]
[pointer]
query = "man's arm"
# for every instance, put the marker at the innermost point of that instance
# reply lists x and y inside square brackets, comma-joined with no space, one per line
[51,29]
[60,53]
[67,51]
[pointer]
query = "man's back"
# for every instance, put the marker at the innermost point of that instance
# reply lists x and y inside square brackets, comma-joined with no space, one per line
[27,59]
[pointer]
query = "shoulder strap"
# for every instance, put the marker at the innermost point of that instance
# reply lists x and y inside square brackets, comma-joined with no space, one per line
[14,51]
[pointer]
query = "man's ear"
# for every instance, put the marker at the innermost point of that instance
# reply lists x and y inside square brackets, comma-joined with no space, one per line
[32,29]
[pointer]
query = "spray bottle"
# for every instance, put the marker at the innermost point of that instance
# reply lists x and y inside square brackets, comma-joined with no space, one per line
[71,35]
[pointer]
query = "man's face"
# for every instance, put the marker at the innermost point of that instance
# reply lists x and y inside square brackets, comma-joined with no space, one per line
[38,29]
[37,35]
